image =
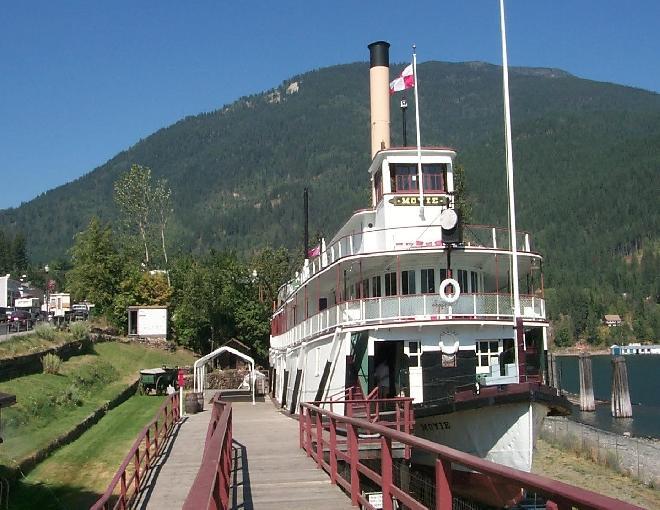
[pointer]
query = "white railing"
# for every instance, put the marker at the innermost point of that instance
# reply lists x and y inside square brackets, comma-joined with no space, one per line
[429,307]
[406,238]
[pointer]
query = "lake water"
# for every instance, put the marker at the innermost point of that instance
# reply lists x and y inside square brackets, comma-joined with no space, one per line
[643,373]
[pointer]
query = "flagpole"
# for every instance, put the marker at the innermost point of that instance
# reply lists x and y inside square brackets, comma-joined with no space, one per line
[509,168]
[420,183]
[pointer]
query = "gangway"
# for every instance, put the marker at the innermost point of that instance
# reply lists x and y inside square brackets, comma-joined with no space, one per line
[258,456]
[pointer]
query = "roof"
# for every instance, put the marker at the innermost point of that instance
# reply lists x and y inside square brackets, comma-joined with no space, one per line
[236,342]
[612,317]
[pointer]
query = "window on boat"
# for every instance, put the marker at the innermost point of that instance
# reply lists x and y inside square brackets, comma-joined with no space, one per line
[378,186]
[443,274]
[487,353]
[408,282]
[414,354]
[428,281]
[404,177]
[462,278]
[474,281]
[375,286]
[390,284]
[323,303]
[365,288]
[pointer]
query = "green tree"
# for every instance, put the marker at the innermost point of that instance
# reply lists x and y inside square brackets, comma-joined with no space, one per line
[563,332]
[19,258]
[462,200]
[134,197]
[97,267]
[162,204]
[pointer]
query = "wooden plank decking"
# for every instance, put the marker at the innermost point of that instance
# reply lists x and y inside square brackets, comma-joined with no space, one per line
[270,470]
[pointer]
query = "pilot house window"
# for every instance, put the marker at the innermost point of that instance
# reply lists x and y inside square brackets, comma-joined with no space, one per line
[404,177]
[378,186]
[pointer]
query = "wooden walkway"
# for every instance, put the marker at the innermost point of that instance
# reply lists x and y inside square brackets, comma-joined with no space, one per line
[270,470]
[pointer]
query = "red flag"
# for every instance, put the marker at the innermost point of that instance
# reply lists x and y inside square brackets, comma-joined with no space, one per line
[403,82]
[314,252]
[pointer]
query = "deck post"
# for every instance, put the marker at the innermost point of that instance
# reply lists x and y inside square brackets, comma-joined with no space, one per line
[386,471]
[443,497]
[586,384]
[354,456]
[308,427]
[333,452]
[319,441]
[301,429]
[621,406]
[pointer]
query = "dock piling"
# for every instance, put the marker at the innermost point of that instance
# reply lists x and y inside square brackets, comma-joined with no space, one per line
[587,402]
[621,406]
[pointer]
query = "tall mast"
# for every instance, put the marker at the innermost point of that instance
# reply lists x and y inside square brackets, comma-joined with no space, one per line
[509,170]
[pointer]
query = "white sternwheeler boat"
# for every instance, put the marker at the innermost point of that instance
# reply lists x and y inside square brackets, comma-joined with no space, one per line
[409,300]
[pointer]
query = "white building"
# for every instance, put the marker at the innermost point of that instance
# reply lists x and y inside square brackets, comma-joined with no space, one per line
[147,321]
[9,291]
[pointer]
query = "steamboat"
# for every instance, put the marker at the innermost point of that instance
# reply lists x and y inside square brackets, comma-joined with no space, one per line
[406,300]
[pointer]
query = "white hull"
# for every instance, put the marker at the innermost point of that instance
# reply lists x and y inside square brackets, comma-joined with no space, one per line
[504,433]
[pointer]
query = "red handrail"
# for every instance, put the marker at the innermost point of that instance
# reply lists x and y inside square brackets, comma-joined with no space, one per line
[210,490]
[318,432]
[127,482]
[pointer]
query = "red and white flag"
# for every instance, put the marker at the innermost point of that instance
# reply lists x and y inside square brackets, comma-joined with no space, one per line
[403,82]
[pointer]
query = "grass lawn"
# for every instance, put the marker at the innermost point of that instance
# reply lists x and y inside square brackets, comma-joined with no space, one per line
[49,405]
[570,468]
[77,474]
[29,343]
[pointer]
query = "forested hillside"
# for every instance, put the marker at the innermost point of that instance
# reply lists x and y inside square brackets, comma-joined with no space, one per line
[586,154]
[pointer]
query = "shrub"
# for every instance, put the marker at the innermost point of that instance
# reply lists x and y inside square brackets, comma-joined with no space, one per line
[51,363]
[100,372]
[45,331]
[80,330]
[72,396]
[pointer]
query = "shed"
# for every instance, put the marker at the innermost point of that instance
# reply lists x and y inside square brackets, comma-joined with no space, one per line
[229,360]
[147,321]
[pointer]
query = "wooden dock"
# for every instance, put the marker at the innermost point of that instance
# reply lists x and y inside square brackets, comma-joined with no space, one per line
[269,471]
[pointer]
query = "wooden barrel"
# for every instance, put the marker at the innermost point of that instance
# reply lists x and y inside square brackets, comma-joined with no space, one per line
[200,401]
[191,404]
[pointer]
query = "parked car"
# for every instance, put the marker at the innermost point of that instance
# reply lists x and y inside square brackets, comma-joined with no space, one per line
[80,311]
[4,314]
[21,319]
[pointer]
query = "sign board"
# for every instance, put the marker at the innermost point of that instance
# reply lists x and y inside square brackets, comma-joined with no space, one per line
[375,499]
[414,200]
[152,322]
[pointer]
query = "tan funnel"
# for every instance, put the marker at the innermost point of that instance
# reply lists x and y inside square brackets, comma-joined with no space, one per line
[379,78]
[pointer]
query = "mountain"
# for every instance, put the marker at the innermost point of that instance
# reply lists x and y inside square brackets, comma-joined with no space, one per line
[586,154]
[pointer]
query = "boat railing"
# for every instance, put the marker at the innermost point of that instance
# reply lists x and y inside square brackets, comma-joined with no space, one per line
[417,307]
[334,442]
[407,238]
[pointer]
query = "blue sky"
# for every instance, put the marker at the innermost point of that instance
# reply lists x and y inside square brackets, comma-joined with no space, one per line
[81,81]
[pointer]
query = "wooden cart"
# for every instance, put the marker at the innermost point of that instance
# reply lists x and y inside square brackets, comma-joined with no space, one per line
[157,380]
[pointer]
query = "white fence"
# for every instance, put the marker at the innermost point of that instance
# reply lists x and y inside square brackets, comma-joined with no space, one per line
[383,310]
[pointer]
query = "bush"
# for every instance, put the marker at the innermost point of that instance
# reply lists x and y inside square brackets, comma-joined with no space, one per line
[45,331]
[89,376]
[51,363]
[80,330]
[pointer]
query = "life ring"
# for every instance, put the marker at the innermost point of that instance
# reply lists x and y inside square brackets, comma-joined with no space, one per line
[457,290]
